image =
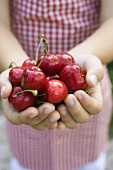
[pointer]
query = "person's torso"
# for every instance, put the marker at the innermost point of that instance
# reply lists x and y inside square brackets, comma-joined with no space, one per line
[65,23]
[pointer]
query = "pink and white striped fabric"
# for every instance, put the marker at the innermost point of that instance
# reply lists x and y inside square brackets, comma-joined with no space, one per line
[65,24]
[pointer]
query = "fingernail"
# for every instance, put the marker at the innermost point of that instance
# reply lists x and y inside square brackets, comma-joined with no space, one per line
[94,79]
[3,90]
[70,102]
[33,115]
[53,119]
[47,111]
[79,96]
[63,112]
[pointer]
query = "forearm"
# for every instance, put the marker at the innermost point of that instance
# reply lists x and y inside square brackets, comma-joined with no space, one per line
[100,43]
[10,48]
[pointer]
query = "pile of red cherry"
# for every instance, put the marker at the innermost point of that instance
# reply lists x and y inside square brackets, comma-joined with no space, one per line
[48,79]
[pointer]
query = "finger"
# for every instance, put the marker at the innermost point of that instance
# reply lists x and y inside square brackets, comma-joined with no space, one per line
[66,118]
[92,102]
[61,125]
[94,69]
[76,110]
[48,122]
[54,126]
[92,65]
[18,118]
[5,84]
[43,112]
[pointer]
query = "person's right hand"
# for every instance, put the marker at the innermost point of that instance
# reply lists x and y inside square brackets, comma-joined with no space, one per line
[40,118]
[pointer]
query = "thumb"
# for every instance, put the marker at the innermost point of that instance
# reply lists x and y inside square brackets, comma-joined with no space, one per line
[95,72]
[5,85]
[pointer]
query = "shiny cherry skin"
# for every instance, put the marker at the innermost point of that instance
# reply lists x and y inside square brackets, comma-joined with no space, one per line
[33,78]
[73,77]
[29,63]
[49,77]
[65,59]
[15,75]
[50,64]
[21,101]
[56,91]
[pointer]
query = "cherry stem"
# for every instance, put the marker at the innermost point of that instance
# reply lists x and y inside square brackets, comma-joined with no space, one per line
[42,40]
[42,94]
[88,90]
[11,64]
[34,92]
[70,92]
[37,52]
[39,101]
[41,61]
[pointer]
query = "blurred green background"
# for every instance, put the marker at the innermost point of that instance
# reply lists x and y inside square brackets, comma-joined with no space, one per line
[110,69]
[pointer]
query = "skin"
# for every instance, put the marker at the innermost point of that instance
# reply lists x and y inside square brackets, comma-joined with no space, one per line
[78,106]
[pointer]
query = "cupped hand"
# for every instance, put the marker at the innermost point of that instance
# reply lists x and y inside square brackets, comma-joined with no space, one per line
[5,85]
[79,107]
[40,118]
[91,65]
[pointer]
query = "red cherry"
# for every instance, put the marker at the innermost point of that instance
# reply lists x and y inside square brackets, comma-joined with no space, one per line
[49,77]
[33,78]
[73,77]
[50,64]
[15,75]
[56,91]
[65,59]
[21,101]
[29,63]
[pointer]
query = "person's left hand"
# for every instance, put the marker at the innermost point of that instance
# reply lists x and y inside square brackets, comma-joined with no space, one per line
[80,106]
